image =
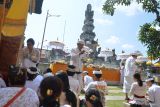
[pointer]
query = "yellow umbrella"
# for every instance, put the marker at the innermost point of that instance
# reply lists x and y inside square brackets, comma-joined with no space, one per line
[149,63]
[157,64]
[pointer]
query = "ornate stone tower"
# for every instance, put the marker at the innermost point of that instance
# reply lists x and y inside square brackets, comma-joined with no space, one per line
[88,35]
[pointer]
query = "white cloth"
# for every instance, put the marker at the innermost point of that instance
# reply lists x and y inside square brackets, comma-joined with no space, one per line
[130,66]
[101,86]
[74,85]
[122,74]
[34,85]
[48,74]
[129,70]
[2,83]
[154,95]
[28,58]
[76,59]
[28,98]
[139,91]
[87,80]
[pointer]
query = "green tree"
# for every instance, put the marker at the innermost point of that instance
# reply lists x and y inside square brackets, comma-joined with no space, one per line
[148,35]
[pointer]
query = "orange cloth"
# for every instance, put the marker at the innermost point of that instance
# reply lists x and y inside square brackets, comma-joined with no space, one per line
[109,74]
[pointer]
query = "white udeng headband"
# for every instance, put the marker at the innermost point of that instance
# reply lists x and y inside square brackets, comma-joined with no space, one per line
[32,72]
[97,72]
[149,79]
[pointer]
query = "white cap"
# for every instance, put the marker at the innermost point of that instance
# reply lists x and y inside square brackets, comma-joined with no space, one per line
[97,72]
[85,72]
[149,79]
[81,42]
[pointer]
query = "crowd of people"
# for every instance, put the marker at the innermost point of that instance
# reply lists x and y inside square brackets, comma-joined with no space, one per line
[26,87]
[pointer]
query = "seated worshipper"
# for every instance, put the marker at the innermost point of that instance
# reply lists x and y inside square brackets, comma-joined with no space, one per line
[30,55]
[50,90]
[74,83]
[92,99]
[98,84]
[47,72]
[16,95]
[34,79]
[153,93]
[2,83]
[87,78]
[67,97]
[138,91]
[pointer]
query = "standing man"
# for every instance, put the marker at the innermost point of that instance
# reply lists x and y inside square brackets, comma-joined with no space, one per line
[153,93]
[77,55]
[130,69]
[30,55]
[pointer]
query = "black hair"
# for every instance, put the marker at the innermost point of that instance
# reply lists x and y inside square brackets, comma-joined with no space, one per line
[17,75]
[152,81]
[70,73]
[98,75]
[48,70]
[55,86]
[31,77]
[71,66]
[70,96]
[31,40]
[137,76]
[94,97]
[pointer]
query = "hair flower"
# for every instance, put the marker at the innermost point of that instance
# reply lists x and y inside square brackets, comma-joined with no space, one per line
[93,98]
[49,92]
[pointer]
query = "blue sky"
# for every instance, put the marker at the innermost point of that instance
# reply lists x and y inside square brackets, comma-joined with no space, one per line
[119,31]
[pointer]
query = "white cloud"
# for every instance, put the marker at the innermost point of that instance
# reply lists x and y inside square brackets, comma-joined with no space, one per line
[104,21]
[113,40]
[131,10]
[127,46]
[99,9]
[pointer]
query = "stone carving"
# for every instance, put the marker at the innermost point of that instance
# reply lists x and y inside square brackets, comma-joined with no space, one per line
[88,35]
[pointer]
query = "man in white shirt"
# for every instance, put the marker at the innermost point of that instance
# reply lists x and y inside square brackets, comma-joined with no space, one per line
[129,70]
[77,55]
[153,93]
[98,84]
[87,78]
[74,83]
[30,55]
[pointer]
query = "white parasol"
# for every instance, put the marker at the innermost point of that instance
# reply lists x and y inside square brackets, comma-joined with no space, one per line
[142,59]
[57,44]
[123,56]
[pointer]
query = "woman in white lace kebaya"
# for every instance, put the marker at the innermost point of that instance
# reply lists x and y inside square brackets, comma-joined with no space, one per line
[16,95]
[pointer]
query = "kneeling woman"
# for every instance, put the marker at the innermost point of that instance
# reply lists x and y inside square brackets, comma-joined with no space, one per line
[138,91]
